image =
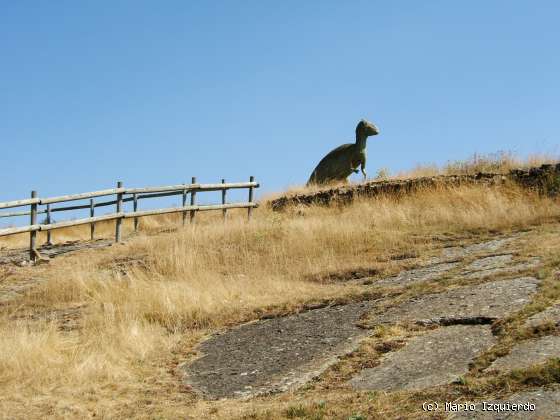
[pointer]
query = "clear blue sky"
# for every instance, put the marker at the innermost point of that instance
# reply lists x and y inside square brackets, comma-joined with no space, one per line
[154,92]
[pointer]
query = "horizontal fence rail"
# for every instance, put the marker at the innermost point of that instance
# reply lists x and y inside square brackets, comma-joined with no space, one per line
[135,194]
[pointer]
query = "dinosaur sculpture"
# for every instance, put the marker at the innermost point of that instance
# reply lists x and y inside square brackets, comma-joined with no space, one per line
[339,163]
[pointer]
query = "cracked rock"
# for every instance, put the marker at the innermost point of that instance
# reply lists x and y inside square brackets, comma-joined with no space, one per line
[490,300]
[487,247]
[528,353]
[436,358]
[282,352]
[489,262]
[499,264]
[550,314]
[546,404]
[418,275]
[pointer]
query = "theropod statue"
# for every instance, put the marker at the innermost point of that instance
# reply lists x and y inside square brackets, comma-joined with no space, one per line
[339,163]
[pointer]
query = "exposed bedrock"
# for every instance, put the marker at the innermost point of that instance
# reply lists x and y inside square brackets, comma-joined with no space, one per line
[436,358]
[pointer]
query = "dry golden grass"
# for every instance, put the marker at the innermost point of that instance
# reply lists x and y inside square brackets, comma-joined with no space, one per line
[146,303]
[500,162]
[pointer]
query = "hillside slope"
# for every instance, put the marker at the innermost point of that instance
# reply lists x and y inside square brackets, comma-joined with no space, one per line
[313,309]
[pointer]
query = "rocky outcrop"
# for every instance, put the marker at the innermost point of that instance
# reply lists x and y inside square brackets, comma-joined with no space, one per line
[545,179]
[274,355]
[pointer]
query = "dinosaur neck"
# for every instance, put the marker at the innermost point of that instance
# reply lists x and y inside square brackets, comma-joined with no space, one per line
[361,141]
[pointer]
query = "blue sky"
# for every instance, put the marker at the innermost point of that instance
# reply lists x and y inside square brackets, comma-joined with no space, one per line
[154,92]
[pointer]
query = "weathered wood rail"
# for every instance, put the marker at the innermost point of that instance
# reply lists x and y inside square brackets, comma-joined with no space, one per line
[123,195]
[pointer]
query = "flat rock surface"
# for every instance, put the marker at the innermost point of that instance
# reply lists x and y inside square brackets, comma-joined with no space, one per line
[551,314]
[527,353]
[435,358]
[275,354]
[489,300]
[482,247]
[546,406]
[486,263]
[451,258]
[498,264]
[418,275]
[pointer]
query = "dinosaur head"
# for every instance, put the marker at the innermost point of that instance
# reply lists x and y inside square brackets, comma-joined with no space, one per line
[366,129]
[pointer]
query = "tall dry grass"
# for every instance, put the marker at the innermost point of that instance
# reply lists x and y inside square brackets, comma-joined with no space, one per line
[160,294]
[498,163]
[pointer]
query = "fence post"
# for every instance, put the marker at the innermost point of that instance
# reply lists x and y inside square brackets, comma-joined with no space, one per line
[118,226]
[135,199]
[91,214]
[184,204]
[33,233]
[224,211]
[193,199]
[48,221]
[250,209]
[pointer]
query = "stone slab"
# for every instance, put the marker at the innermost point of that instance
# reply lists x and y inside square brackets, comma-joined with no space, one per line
[482,247]
[486,263]
[496,265]
[417,275]
[551,314]
[436,358]
[275,354]
[490,300]
[528,353]
[546,404]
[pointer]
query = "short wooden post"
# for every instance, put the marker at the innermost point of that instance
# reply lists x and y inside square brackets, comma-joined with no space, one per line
[48,221]
[250,209]
[91,214]
[184,204]
[135,200]
[193,199]
[33,233]
[224,211]
[118,225]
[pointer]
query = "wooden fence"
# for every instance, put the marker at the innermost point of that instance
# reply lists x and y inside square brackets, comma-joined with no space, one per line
[123,195]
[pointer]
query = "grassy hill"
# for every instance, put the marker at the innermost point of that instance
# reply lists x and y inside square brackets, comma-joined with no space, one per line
[102,332]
